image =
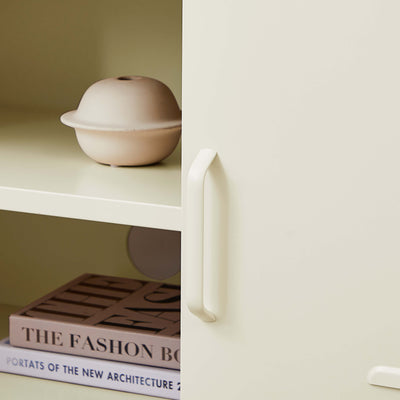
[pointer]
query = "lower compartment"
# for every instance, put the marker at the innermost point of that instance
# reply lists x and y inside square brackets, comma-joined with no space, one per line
[22,387]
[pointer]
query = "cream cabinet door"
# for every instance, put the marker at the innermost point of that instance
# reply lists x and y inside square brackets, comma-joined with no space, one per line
[301,100]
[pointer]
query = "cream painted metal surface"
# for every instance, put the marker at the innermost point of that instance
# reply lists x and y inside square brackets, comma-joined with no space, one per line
[43,171]
[127,36]
[194,231]
[301,102]
[15,387]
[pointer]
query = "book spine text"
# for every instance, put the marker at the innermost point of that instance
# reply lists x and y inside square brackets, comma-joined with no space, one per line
[113,375]
[93,341]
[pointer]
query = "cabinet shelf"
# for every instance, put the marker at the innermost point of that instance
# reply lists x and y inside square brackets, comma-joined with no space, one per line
[43,171]
[21,387]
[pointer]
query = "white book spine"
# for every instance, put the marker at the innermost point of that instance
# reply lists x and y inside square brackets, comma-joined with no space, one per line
[87,371]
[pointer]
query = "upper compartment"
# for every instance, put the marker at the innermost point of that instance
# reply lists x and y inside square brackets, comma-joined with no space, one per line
[51,53]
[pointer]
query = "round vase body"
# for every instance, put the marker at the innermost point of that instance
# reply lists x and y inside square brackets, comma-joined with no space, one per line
[128,148]
[126,121]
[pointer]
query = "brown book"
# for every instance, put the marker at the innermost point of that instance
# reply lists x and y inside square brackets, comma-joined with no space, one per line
[105,317]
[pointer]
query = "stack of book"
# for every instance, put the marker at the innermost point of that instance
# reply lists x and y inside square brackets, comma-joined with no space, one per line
[101,331]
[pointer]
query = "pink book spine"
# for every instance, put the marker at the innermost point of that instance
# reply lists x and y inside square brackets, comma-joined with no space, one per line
[104,317]
[94,341]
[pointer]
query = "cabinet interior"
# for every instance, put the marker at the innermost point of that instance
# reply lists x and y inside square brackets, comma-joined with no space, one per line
[52,51]
[39,253]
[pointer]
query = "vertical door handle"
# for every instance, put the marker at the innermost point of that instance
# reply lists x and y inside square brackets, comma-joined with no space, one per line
[194,231]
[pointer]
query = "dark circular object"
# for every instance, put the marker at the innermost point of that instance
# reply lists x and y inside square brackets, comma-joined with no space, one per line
[156,253]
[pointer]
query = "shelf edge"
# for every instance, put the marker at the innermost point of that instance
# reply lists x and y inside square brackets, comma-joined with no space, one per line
[91,208]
